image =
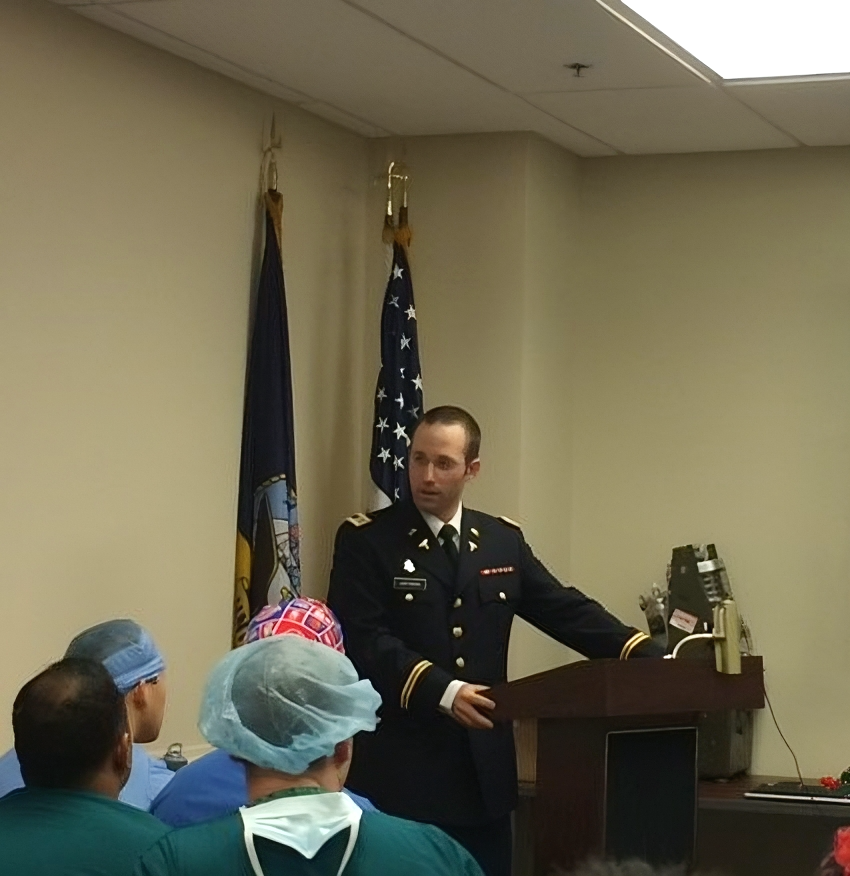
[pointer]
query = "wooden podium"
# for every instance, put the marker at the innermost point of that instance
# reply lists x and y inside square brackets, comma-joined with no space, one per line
[609,751]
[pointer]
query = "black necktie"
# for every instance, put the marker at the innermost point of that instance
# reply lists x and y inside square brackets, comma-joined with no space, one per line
[447,540]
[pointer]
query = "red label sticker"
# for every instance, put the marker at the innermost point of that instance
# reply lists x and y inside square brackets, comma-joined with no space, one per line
[683,620]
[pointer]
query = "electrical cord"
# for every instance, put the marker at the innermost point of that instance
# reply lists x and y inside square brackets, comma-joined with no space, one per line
[748,638]
[782,737]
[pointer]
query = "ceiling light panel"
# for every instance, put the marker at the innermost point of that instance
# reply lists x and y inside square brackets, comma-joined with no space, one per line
[756,39]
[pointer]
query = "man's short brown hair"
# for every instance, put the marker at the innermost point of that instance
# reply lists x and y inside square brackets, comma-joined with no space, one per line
[449,415]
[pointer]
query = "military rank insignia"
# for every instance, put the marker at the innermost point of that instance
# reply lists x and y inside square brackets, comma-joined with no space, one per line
[358,519]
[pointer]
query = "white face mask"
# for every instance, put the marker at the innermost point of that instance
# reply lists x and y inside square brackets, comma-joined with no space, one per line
[304,823]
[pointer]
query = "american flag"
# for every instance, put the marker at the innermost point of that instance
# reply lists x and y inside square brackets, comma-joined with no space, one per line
[398,395]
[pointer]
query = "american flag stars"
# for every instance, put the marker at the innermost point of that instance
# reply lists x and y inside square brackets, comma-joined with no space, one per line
[398,396]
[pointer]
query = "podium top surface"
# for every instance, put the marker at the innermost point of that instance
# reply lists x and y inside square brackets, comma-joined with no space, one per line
[614,688]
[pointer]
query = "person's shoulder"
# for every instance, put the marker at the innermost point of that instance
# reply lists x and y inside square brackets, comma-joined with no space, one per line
[13,799]
[221,826]
[206,837]
[499,524]
[159,775]
[371,522]
[210,787]
[10,772]
[130,817]
[415,843]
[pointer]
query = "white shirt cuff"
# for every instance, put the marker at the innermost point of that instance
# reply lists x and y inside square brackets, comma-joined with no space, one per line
[448,698]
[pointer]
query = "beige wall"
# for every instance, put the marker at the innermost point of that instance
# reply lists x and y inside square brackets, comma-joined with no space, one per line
[657,349]
[495,265]
[467,214]
[713,404]
[127,231]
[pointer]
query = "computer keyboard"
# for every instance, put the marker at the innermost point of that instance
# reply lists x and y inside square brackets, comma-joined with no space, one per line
[800,793]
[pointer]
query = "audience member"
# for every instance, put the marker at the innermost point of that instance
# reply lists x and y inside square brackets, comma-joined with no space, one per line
[130,656]
[622,868]
[289,707]
[72,738]
[632,867]
[838,862]
[217,784]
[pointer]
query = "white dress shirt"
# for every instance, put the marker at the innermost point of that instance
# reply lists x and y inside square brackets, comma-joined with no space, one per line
[435,525]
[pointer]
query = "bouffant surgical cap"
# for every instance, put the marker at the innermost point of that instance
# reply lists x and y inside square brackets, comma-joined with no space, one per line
[126,650]
[284,702]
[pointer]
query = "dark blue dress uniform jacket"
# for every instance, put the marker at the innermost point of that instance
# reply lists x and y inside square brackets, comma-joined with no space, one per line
[411,627]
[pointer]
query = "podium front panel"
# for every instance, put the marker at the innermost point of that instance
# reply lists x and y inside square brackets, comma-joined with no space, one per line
[651,795]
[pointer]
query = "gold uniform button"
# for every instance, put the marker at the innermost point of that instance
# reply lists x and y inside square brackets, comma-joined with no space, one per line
[502,595]
[458,602]
[457,632]
[460,663]
[408,597]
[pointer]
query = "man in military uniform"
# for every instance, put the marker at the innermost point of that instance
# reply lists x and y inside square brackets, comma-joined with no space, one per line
[426,592]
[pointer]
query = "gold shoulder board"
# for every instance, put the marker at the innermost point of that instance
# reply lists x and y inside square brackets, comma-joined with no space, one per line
[358,519]
[510,522]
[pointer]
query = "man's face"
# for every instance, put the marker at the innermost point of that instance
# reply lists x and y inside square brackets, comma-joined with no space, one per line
[438,468]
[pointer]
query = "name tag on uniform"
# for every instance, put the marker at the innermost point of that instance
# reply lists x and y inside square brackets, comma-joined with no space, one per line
[409,583]
[499,570]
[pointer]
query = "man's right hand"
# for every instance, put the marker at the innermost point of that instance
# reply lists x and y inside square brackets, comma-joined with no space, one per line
[468,706]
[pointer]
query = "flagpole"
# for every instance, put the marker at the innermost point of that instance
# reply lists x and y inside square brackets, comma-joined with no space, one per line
[398,392]
[268,567]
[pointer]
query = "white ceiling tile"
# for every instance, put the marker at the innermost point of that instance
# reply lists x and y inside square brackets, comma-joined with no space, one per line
[118,20]
[816,112]
[101,2]
[455,71]
[660,120]
[524,44]
[521,116]
[350,65]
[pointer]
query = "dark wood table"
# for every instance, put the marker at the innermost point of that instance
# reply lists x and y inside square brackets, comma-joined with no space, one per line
[736,835]
[739,836]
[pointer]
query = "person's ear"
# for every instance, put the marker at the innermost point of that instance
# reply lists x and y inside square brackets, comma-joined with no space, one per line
[472,469]
[122,757]
[343,752]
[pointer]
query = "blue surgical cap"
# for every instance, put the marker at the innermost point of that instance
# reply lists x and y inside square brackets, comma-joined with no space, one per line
[284,702]
[126,650]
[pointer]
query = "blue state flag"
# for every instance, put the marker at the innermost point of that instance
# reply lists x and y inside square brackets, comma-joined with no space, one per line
[268,564]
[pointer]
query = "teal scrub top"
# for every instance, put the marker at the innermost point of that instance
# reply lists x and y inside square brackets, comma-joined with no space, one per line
[386,845]
[148,776]
[72,833]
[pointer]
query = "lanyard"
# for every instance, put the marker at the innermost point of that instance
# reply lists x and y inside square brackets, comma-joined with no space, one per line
[303,823]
